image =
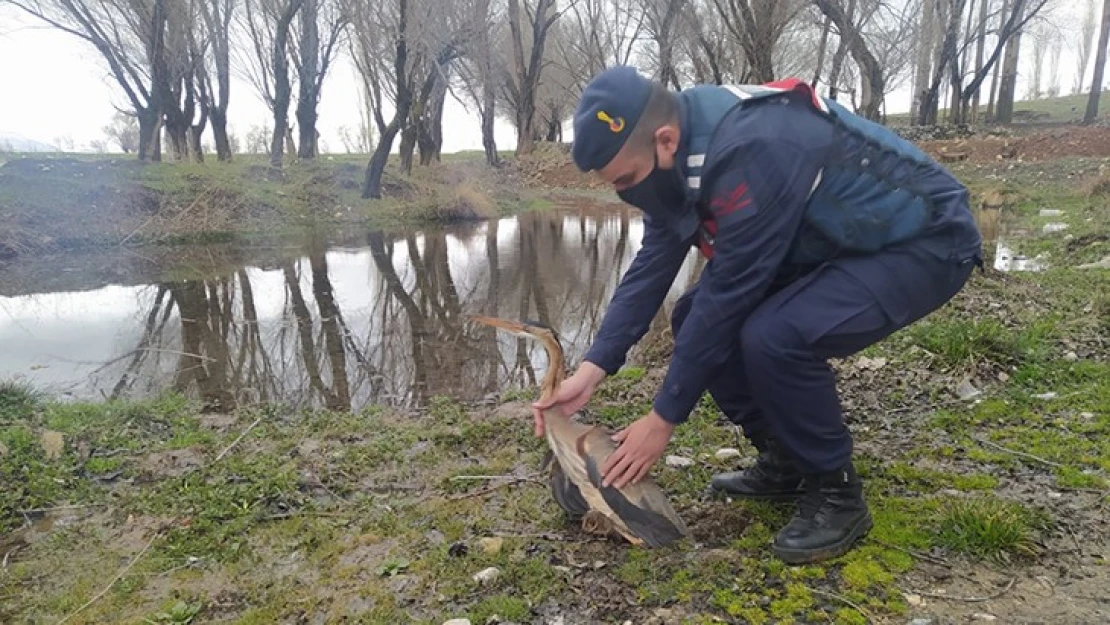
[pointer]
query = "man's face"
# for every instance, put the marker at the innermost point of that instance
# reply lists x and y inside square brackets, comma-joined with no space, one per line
[633,163]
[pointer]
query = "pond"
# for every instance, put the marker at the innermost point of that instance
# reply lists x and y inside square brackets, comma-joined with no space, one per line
[367,318]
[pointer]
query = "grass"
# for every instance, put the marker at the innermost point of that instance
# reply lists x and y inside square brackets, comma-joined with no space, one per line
[123,200]
[321,515]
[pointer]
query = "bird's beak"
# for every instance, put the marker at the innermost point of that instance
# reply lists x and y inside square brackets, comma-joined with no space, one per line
[514,327]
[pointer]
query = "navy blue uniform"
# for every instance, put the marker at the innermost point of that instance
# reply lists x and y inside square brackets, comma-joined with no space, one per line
[825,233]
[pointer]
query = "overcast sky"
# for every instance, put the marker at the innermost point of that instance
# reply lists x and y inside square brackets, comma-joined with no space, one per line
[55,85]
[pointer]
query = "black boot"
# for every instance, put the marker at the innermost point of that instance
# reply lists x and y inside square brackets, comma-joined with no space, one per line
[831,517]
[772,478]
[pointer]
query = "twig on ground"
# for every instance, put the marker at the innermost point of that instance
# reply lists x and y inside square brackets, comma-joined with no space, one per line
[917,554]
[461,478]
[1015,452]
[8,555]
[490,489]
[940,595]
[236,441]
[60,508]
[326,515]
[846,601]
[113,582]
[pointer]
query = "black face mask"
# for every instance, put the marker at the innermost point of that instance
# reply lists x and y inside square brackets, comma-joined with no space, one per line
[659,195]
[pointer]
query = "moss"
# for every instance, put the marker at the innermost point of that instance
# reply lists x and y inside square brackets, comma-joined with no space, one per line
[796,601]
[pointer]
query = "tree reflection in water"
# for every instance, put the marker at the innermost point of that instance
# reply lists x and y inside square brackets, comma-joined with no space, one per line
[386,322]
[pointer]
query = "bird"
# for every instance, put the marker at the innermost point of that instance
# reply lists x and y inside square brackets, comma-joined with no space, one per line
[640,512]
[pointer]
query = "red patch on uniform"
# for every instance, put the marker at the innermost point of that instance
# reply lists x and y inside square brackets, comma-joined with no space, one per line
[797,84]
[727,204]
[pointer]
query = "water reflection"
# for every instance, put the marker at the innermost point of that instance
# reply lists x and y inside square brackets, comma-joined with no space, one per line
[380,321]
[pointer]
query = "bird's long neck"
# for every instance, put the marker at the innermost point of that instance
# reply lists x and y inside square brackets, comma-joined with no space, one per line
[555,364]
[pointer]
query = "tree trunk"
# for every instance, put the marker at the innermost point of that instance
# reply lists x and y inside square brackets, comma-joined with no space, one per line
[821,52]
[219,133]
[1100,66]
[982,39]
[488,112]
[149,128]
[527,74]
[372,184]
[926,37]
[309,68]
[283,91]
[408,145]
[1005,104]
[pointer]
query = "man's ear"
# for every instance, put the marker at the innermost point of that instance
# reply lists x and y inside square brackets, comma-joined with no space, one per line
[666,137]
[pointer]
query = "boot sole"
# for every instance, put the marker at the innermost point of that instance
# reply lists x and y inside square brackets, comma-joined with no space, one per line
[808,556]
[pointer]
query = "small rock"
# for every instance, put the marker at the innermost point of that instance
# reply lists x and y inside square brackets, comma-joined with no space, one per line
[1054,495]
[1086,415]
[1071,357]
[1048,395]
[921,621]
[491,545]
[1101,264]
[1051,212]
[679,461]
[434,537]
[53,443]
[871,363]
[727,453]
[949,492]
[916,601]
[487,575]
[457,621]
[1003,376]
[983,616]
[458,549]
[966,390]
[1054,227]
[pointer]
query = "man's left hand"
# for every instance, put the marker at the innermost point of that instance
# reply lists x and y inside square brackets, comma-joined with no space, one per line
[641,446]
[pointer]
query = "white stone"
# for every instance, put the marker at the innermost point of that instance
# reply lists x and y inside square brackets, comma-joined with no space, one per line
[915,600]
[983,616]
[1071,357]
[1051,212]
[679,461]
[487,575]
[457,621]
[966,390]
[727,453]
[1054,227]
[1049,395]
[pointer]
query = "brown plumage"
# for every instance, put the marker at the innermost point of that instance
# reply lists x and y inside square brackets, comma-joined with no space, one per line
[639,512]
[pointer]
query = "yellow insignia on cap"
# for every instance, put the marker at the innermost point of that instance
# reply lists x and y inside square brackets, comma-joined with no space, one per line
[616,125]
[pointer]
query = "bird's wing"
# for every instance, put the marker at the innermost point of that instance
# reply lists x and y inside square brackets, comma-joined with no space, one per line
[565,492]
[643,507]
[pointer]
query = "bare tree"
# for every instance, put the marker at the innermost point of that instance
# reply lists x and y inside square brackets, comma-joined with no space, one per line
[663,19]
[1083,43]
[1013,18]
[1100,65]
[217,16]
[129,36]
[393,52]
[268,24]
[124,131]
[482,70]
[526,72]
[313,58]
[872,78]
[758,25]
[1004,106]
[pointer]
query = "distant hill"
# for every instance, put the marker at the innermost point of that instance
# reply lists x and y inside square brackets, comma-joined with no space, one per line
[11,142]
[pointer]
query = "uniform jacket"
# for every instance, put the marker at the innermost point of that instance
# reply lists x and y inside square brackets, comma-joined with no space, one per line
[778,180]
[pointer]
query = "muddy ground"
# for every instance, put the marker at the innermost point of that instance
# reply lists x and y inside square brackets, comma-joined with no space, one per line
[982,436]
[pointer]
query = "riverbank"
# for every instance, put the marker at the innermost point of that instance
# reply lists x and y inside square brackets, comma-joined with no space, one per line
[981,432]
[65,202]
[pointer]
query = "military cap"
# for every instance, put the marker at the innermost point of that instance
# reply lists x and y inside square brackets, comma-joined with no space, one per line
[608,110]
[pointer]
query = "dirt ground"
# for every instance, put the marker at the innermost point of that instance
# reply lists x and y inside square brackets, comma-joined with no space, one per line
[1037,144]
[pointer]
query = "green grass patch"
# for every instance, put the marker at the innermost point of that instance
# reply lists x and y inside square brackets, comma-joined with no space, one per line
[990,528]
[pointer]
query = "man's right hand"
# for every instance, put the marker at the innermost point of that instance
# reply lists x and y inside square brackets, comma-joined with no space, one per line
[571,395]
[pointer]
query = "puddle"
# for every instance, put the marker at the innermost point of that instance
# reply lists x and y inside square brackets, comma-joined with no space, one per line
[379,319]
[1006,259]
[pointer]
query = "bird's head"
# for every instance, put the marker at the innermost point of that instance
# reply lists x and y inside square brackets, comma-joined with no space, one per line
[529,329]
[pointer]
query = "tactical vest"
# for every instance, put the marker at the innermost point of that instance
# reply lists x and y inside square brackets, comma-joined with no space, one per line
[874,189]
